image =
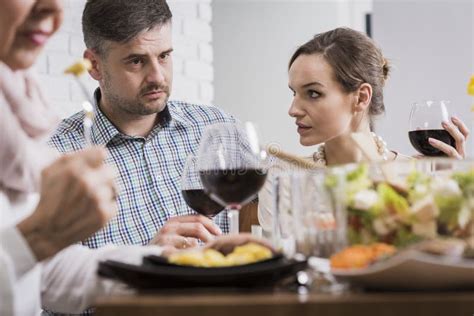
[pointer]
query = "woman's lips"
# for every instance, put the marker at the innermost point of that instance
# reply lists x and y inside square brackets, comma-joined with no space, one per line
[37,38]
[302,128]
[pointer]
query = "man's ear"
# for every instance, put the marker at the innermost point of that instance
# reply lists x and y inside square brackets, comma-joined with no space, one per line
[363,97]
[95,71]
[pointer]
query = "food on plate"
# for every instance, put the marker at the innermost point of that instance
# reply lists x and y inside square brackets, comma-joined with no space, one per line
[361,256]
[436,205]
[450,246]
[469,250]
[245,254]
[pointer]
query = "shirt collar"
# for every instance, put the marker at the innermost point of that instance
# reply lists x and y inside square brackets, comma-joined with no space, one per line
[177,117]
[103,131]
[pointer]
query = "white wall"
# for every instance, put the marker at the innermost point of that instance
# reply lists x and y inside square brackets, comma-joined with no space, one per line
[193,56]
[253,41]
[430,44]
[63,49]
[235,52]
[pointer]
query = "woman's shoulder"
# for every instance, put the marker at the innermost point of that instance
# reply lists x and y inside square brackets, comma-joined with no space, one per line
[278,165]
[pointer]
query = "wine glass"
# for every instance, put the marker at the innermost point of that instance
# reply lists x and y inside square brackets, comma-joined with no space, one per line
[425,122]
[193,191]
[318,215]
[231,166]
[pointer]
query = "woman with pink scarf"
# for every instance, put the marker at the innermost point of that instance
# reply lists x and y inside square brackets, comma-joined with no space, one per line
[47,202]
[76,192]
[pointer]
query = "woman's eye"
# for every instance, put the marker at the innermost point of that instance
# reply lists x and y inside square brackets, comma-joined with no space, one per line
[313,94]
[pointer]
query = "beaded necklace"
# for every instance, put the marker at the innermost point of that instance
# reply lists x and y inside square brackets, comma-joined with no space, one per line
[320,155]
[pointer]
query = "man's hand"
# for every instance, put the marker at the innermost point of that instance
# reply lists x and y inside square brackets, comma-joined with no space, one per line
[226,244]
[183,232]
[78,197]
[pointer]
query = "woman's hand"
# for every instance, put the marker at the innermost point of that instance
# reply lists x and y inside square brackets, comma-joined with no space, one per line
[458,130]
[78,197]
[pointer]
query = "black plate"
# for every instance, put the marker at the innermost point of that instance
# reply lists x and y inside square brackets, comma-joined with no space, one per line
[157,273]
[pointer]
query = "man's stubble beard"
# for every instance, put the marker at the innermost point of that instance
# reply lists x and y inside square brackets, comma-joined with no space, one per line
[136,106]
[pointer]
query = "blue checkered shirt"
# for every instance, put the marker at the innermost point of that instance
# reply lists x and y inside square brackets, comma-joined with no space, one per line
[150,168]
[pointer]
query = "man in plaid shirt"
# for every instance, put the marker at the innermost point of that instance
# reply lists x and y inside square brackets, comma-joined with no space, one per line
[148,136]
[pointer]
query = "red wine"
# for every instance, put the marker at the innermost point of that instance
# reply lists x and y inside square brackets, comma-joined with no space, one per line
[233,186]
[199,201]
[419,140]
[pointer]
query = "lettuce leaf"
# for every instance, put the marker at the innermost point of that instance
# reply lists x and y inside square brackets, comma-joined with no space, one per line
[391,201]
[465,181]
[358,173]
[450,205]
[449,208]
[357,180]
[418,186]
[405,237]
[416,178]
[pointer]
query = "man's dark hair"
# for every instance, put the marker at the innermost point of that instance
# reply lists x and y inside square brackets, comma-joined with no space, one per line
[120,20]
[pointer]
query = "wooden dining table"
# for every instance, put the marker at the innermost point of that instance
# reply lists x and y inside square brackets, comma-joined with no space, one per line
[232,302]
[239,303]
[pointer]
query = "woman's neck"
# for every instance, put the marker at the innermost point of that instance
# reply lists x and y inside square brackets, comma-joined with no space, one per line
[342,149]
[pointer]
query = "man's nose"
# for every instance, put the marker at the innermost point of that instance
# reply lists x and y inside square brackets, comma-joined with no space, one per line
[156,73]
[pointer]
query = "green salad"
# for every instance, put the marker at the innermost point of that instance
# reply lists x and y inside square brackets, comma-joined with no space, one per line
[428,207]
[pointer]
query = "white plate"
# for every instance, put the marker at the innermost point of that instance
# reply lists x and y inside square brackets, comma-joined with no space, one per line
[413,270]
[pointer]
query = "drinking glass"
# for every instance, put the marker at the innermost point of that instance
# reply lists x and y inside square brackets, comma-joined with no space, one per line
[317,215]
[425,122]
[318,221]
[232,168]
[193,191]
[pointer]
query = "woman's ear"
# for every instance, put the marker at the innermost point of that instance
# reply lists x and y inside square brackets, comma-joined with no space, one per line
[95,71]
[363,97]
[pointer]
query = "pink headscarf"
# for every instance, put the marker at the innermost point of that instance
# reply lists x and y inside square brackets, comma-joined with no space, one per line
[25,122]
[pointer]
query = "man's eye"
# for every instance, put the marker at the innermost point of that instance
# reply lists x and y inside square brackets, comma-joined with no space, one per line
[164,56]
[136,61]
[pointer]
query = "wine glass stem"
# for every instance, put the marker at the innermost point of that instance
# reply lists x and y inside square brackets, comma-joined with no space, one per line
[233,215]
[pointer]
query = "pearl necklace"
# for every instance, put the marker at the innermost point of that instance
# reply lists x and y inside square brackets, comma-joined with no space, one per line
[320,155]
